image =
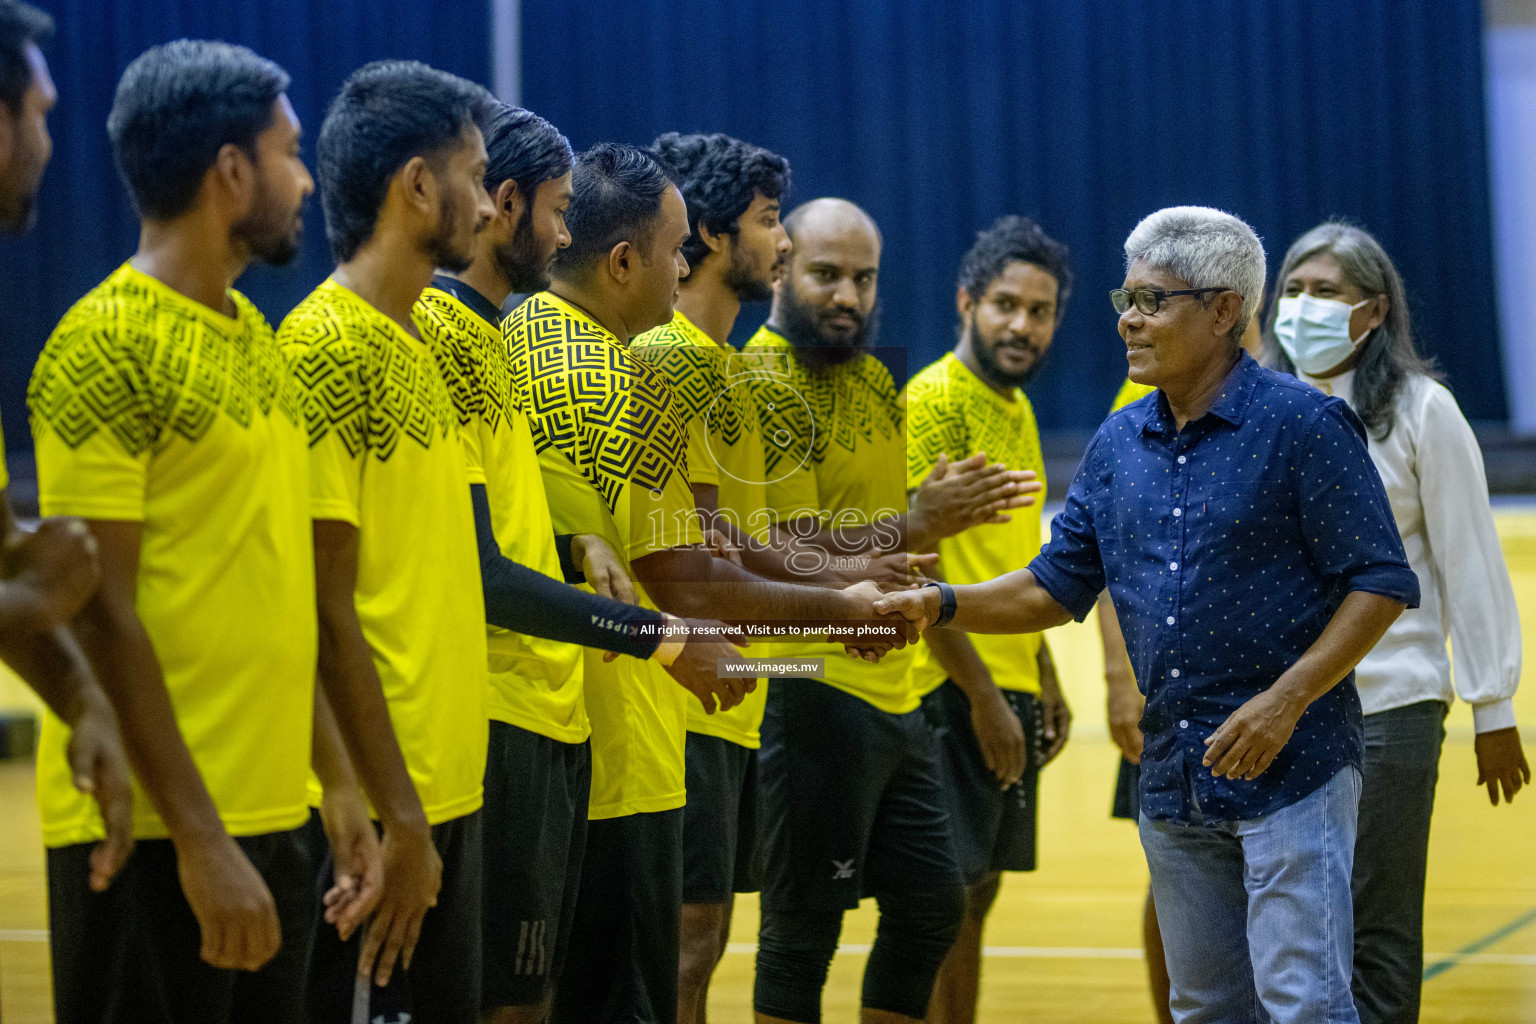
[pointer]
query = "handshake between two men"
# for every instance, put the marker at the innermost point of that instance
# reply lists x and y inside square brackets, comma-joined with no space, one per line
[814,580]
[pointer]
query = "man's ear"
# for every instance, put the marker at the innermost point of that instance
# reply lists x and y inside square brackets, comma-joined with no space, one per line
[716,241]
[964,304]
[511,205]
[234,172]
[418,185]
[621,262]
[1229,310]
[8,122]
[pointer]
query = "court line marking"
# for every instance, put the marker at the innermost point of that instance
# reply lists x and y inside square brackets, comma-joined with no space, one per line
[1465,954]
[1135,953]
[1469,954]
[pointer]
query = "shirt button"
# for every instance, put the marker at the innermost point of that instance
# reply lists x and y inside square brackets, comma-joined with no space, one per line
[1170,620]
[1178,511]
[1173,566]
[1182,460]
[1174,673]
[1183,723]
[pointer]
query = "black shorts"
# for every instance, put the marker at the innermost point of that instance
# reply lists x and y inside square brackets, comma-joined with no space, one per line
[622,964]
[852,801]
[443,983]
[535,832]
[993,829]
[1127,791]
[132,954]
[720,823]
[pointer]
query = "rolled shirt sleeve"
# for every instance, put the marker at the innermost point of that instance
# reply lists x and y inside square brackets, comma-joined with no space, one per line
[1345,518]
[1070,567]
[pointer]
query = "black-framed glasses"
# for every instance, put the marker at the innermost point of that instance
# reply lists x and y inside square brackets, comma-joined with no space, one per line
[1150,300]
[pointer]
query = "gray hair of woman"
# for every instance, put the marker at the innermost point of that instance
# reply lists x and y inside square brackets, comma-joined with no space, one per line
[1205,248]
[1389,356]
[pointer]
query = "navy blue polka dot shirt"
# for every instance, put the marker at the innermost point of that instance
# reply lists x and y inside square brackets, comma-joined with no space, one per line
[1227,547]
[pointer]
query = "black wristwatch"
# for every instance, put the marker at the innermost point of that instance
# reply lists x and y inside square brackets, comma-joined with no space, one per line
[946,604]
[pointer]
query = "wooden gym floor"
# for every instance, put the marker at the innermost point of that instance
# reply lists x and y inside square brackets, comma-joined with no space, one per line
[1063,942]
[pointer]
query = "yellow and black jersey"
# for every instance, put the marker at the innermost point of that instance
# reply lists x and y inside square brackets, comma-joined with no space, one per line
[385,456]
[833,451]
[715,395]
[614,454]
[149,407]
[535,683]
[1129,392]
[951,412]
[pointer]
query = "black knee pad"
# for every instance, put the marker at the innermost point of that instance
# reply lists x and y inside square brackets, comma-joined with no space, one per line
[793,954]
[917,928]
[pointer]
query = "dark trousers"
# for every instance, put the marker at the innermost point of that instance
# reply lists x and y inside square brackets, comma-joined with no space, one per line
[621,967]
[132,954]
[442,985]
[1402,764]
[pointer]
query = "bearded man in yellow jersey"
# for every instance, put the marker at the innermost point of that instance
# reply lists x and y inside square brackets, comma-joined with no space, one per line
[851,800]
[737,245]
[538,772]
[993,702]
[162,414]
[402,164]
[614,454]
[48,574]
[733,190]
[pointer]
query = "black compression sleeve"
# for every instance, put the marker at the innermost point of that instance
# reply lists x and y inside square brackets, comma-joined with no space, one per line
[518,598]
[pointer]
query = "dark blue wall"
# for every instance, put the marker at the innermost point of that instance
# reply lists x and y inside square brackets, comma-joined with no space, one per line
[1087,114]
[85,225]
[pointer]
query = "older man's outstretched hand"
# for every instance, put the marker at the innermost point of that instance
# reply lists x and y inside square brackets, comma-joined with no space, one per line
[1251,737]
[918,607]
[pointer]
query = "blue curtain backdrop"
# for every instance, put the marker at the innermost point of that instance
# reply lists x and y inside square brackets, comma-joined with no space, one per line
[1086,114]
[85,224]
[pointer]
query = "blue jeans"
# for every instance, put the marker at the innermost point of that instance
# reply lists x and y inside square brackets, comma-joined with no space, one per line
[1256,916]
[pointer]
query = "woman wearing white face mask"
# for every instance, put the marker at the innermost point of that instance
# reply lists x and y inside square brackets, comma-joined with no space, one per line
[1341,324]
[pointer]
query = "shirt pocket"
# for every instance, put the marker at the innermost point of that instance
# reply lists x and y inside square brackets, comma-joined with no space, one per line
[1245,525]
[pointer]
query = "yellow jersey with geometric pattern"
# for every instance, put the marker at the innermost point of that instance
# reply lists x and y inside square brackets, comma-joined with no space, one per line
[614,455]
[385,456]
[1129,392]
[714,392]
[951,412]
[149,407]
[834,453]
[535,683]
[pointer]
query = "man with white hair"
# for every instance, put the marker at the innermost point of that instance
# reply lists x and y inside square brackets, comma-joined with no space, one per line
[1250,552]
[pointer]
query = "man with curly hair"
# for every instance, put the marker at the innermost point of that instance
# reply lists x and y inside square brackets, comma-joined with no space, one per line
[735,245]
[993,702]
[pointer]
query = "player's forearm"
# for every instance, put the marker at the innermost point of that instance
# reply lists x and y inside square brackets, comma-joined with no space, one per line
[120,651]
[23,614]
[732,594]
[356,697]
[957,656]
[776,557]
[51,662]
[889,533]
[1012,603]
[520,599]
[328,751]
